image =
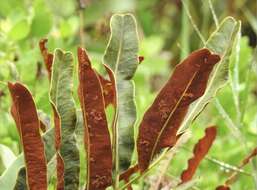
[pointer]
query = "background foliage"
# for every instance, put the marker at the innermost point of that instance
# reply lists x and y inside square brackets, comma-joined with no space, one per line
[166,37]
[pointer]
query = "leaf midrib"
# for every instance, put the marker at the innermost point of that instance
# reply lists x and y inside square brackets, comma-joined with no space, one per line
[116,127]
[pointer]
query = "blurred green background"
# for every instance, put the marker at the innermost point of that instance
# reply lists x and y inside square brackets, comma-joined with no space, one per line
[166,36]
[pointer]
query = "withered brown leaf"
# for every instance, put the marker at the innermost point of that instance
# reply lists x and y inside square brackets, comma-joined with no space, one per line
[200,150]
[97,138]
[25,115]
[48,57]
[162,120]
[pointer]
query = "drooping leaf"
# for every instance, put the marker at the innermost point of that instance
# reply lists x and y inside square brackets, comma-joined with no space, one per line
[220,42]
[121,56]
[65,121]
[200,150]
[29,125]
[96,134]
[162,120]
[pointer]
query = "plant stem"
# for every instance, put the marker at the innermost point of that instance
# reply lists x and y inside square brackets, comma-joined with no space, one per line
[192,22]
[115,150]
[81,29]
[213,14]
[146,171]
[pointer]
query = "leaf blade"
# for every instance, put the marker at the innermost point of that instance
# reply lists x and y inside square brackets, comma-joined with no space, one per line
[220,42]
[29,125]
[121,56]
[97,138]
[162,120]
[65,120]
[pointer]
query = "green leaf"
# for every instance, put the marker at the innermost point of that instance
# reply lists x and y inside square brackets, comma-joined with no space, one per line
[7,7]
[220,42]
[62,8]
[234,72]
[6,155]
[121,56]
[41,24]
[9,177]
[61,98]
[20,30]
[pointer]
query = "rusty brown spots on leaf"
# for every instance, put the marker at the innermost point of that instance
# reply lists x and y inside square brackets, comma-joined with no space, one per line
[163,119]
[26,118]
[48,57]
[60,172]
[200,150]
[97,138]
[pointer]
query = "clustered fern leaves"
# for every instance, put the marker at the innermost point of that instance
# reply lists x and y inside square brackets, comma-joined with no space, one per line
[109,146]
